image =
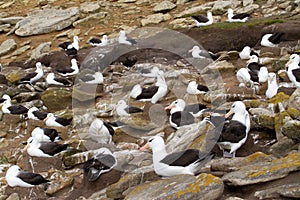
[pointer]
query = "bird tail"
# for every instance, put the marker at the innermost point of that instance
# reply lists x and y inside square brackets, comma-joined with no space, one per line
[136,91]
[198,165]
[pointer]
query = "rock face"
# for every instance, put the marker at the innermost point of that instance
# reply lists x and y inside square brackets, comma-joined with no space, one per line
[45,21]
[185,187]
[263,171]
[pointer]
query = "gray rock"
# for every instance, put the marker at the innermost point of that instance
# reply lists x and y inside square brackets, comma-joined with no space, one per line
[247,2]
[248,9]
[56,99]
[164,6]
[182,1]
[288,191]
[264,171]
[294,100]
[96,16]
[61,180]
[153,19]
[136,177]
[10,20]
[283,147]
[195,9]
[14,196]
[291,129]
[220,7]
[185,187]
[45,21]
[5,28]
[237,163]
[7,46]
[41,50]
[21,50]
[89,7]
[184,136]
[263,117]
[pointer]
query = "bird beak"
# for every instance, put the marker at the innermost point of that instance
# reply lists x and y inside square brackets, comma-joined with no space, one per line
[288,63]
[271,79]
[228,114]
[145,147]
[169,107]
[45,119]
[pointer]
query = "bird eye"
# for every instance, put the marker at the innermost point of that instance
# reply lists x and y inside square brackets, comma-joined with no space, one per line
[150,140]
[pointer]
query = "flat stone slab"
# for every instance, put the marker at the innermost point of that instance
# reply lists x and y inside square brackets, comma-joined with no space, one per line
[45,21]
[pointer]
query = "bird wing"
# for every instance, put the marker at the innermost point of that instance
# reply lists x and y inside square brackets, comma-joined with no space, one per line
[182,118]
[28,76]
[232,132]
[147,93]
[110,129]
[276,37]
[32,178]
[52,148]
[202,88]
[181,158]
[65,70]
[296,73]
[62,80]
[63,121]
[132,109]
[40,115]
[64,45]
[241,16]
[95,40]
[17,109]
[51,133]
[200,18]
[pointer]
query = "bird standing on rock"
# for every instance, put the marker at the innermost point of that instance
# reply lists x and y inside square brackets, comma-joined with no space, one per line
[123,39]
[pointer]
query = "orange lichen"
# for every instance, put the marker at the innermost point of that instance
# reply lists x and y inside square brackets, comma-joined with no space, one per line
[202,180]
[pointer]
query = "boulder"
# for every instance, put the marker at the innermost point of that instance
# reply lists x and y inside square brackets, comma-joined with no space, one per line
[184,187]
[41,50]
[264,171]
[136,177]
[291,129]
[153,19]
[220,7]
[294,101]
[263,117]
[46,21]
[287,191]
[164,6]
[89,7]
[7,46]
[56,99]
